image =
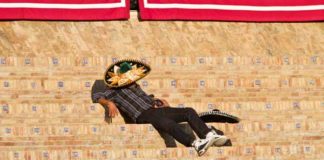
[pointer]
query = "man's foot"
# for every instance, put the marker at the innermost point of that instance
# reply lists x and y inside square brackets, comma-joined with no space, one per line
[201,145]
[219,140]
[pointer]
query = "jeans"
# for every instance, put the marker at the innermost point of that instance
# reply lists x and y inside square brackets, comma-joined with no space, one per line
[166,119]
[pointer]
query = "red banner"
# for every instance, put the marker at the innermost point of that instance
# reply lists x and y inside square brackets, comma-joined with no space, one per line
[233,10]
[64,9]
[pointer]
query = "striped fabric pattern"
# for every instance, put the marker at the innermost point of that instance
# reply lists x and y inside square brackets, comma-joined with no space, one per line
[131,100]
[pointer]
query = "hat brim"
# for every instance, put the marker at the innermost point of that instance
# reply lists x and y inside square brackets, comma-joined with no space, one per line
[110,69]
[218,116]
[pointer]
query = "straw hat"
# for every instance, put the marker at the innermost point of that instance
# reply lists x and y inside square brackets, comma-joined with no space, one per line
[125,72]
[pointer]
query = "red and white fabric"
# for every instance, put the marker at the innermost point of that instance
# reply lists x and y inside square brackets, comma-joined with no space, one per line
[233,10]
[64,9]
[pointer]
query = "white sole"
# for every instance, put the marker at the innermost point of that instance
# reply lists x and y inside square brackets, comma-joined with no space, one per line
[220,141]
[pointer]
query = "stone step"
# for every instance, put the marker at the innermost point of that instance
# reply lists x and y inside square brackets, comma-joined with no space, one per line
[154,140]
[46,75]
[226,96]
[77,118]
[14,107]
[90,61]
[245,83]
[210,76]
[282,151]
[16,130]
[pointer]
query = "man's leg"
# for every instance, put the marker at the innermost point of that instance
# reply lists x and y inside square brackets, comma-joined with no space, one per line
[208,137]
[190,115]
[187,115]
[160,122]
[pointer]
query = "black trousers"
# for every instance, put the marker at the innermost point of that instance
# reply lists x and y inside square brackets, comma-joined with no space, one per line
[166,119]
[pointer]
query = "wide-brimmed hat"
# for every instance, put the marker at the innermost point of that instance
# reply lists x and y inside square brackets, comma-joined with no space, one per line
[125,72]
[218,116]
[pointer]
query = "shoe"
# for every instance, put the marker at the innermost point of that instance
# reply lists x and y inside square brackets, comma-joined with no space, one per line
[219,140]
[201,146]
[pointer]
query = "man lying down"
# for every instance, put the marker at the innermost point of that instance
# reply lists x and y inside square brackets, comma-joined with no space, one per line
[123,94]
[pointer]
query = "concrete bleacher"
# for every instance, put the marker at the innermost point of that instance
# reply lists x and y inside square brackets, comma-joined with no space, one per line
[46,110]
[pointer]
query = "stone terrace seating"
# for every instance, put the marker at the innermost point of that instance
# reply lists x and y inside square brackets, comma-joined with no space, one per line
[46,110]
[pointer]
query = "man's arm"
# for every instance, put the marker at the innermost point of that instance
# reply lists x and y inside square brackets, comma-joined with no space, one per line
[99,93]
[113,111]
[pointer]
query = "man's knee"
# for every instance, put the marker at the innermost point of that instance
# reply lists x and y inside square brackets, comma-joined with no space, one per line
[190,110]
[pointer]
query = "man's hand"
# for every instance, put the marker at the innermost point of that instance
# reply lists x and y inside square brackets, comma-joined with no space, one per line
[165,103]
[113,111]
[161,103]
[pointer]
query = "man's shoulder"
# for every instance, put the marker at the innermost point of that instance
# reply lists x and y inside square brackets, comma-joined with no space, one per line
[99,82]
[99,86]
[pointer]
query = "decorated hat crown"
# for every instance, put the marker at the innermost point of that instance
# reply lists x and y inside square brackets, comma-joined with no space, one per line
[125,72]
[124,67]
